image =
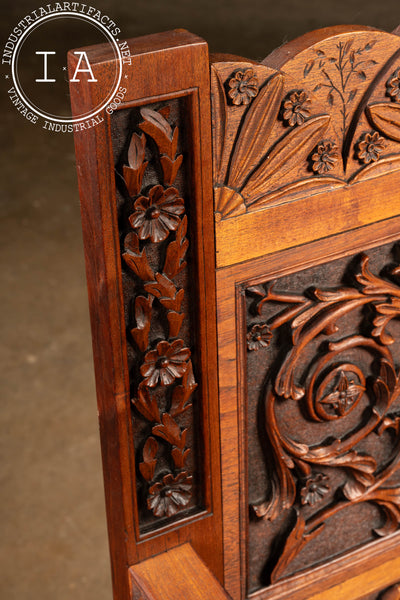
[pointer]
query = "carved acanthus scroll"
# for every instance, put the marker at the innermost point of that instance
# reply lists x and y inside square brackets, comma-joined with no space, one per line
[335,376]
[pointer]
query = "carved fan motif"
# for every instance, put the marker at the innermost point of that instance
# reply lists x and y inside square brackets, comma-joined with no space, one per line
[330,118]
[345,384]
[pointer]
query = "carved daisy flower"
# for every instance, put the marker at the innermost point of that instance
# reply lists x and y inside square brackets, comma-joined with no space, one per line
[370,147]
[393,86]
[244,87]
[314,489]
[325,157]
[166,363]
[155,216]
[296,108]
[170,495]
[259,336]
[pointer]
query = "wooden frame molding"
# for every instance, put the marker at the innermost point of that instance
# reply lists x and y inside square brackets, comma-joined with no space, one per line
[179,64]
[241,223]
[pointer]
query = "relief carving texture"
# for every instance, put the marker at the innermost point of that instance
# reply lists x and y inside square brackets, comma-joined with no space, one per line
[153,223]
[331,118]
[324,412]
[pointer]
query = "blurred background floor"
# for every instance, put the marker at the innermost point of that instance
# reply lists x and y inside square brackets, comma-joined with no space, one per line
[53,532]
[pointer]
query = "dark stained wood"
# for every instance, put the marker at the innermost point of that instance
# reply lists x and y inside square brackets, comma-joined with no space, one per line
[212,433]
[315,419]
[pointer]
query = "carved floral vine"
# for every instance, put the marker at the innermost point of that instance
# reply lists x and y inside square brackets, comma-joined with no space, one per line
[341,73]
[333,388]
[157,234]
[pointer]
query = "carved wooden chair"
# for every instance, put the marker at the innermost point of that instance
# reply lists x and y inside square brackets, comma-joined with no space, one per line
[240,227]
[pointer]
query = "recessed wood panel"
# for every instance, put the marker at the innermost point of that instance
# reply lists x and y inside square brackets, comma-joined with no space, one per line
[322,390]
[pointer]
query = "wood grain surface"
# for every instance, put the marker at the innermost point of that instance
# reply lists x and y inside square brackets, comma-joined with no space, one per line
[230,177]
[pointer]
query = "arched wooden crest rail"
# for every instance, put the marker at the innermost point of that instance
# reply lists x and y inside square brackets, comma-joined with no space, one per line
[241,224]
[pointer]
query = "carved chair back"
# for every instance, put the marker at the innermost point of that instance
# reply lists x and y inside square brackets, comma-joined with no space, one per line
[240,227]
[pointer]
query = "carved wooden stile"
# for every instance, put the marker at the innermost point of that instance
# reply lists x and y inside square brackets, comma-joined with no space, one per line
[283,475]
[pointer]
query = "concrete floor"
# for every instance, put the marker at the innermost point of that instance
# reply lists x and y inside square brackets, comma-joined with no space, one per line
[53,534]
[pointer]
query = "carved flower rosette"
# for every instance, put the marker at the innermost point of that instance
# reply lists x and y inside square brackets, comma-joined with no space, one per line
[155,245]
[329,413]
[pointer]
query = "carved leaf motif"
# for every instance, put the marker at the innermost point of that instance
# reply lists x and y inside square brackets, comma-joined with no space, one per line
[219,127]
[389,500]
[148,465]
[182,393]
[362,469]
[137,261]
[257,125]
[392,422]
[336,295]
[175,302]
[295,542]
[170,431]
[271,508]
[285,156]
[300,187]
[136,151]
[373,284]
[281,495]
[162,287]
[386,313]
[283,488]
[285,385]
[179,456]
[170,168]
[147,405]
[384,388]
[308,67]
[385,117]
[143,320]
[133,174]
[175,321]
[157,120]
[160,130]
[176,251]
[133,178]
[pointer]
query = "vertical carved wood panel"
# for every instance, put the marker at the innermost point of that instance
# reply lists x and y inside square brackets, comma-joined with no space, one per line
[323,356]
[146,195]
[152,178]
